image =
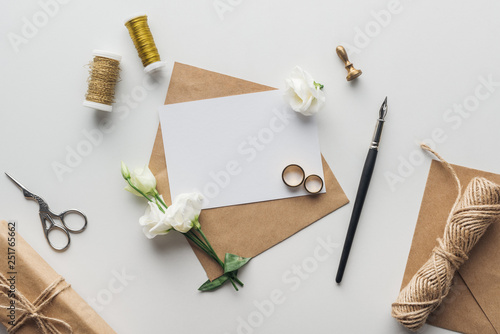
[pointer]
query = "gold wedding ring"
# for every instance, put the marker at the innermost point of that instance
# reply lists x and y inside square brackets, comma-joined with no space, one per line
[293,175]
[313,184]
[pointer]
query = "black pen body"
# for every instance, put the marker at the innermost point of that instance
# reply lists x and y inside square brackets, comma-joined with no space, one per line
[364,183]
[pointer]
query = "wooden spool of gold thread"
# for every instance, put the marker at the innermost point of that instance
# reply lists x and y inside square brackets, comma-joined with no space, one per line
[104,74]
[140,33]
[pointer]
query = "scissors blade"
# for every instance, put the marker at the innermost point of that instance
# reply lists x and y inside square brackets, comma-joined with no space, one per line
[28,194]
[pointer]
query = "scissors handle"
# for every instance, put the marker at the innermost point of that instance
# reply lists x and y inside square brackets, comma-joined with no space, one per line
[49,226]
[67,213]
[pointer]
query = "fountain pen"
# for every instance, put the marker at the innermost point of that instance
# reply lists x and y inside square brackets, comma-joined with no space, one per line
[366,176]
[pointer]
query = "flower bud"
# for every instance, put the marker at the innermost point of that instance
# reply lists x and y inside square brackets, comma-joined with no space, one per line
[125,171]
[142,179]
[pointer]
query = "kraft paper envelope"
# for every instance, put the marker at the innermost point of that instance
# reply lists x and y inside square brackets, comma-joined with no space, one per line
[473,304]
[246,230]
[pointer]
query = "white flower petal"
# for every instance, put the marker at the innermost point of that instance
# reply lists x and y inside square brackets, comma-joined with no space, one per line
[183,211]
[154,221]
[301,93]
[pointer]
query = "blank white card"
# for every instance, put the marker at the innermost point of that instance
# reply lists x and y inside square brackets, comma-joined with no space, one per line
[233,149]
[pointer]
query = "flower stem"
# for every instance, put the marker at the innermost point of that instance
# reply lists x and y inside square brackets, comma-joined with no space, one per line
[159,199]
[195,239]
[220,262]
[139,191]
[207,247]
[211,252]
[144,195]
[238,281]
[232,282]
[211,248]
[207,242]
[198,243]
[159,206]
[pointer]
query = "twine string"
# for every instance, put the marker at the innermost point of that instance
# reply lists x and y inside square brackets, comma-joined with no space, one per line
[32,310]
[142,37]
[468,220]
[104,74]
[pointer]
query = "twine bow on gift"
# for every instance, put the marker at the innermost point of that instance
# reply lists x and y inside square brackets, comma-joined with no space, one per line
[468,220]
[32,310]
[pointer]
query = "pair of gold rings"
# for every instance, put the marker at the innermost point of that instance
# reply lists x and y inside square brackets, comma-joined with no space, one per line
[293,176]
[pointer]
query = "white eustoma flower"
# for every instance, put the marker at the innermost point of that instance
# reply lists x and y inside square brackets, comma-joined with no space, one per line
[154,222]
[144,180]
[302,93]
[184,211]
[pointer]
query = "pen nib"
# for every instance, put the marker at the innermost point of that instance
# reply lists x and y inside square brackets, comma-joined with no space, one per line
[383,110]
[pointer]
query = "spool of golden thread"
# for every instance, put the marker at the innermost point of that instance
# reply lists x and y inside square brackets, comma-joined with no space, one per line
[140,33]
[104,74]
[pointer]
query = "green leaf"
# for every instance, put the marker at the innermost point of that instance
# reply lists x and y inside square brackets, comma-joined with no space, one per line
[318,85]
[234,262]
[212,285]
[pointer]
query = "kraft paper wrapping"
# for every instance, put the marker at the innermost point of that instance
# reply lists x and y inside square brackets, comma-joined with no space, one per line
[250,229]
[33,276]
[473,303]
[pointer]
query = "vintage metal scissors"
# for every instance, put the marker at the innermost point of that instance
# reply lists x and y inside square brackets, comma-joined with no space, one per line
[48,218]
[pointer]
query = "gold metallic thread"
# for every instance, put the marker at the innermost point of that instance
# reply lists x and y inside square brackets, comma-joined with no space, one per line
[104,74]
[143,40]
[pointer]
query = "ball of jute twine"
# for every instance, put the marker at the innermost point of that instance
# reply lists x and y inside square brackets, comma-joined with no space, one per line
[469,218]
